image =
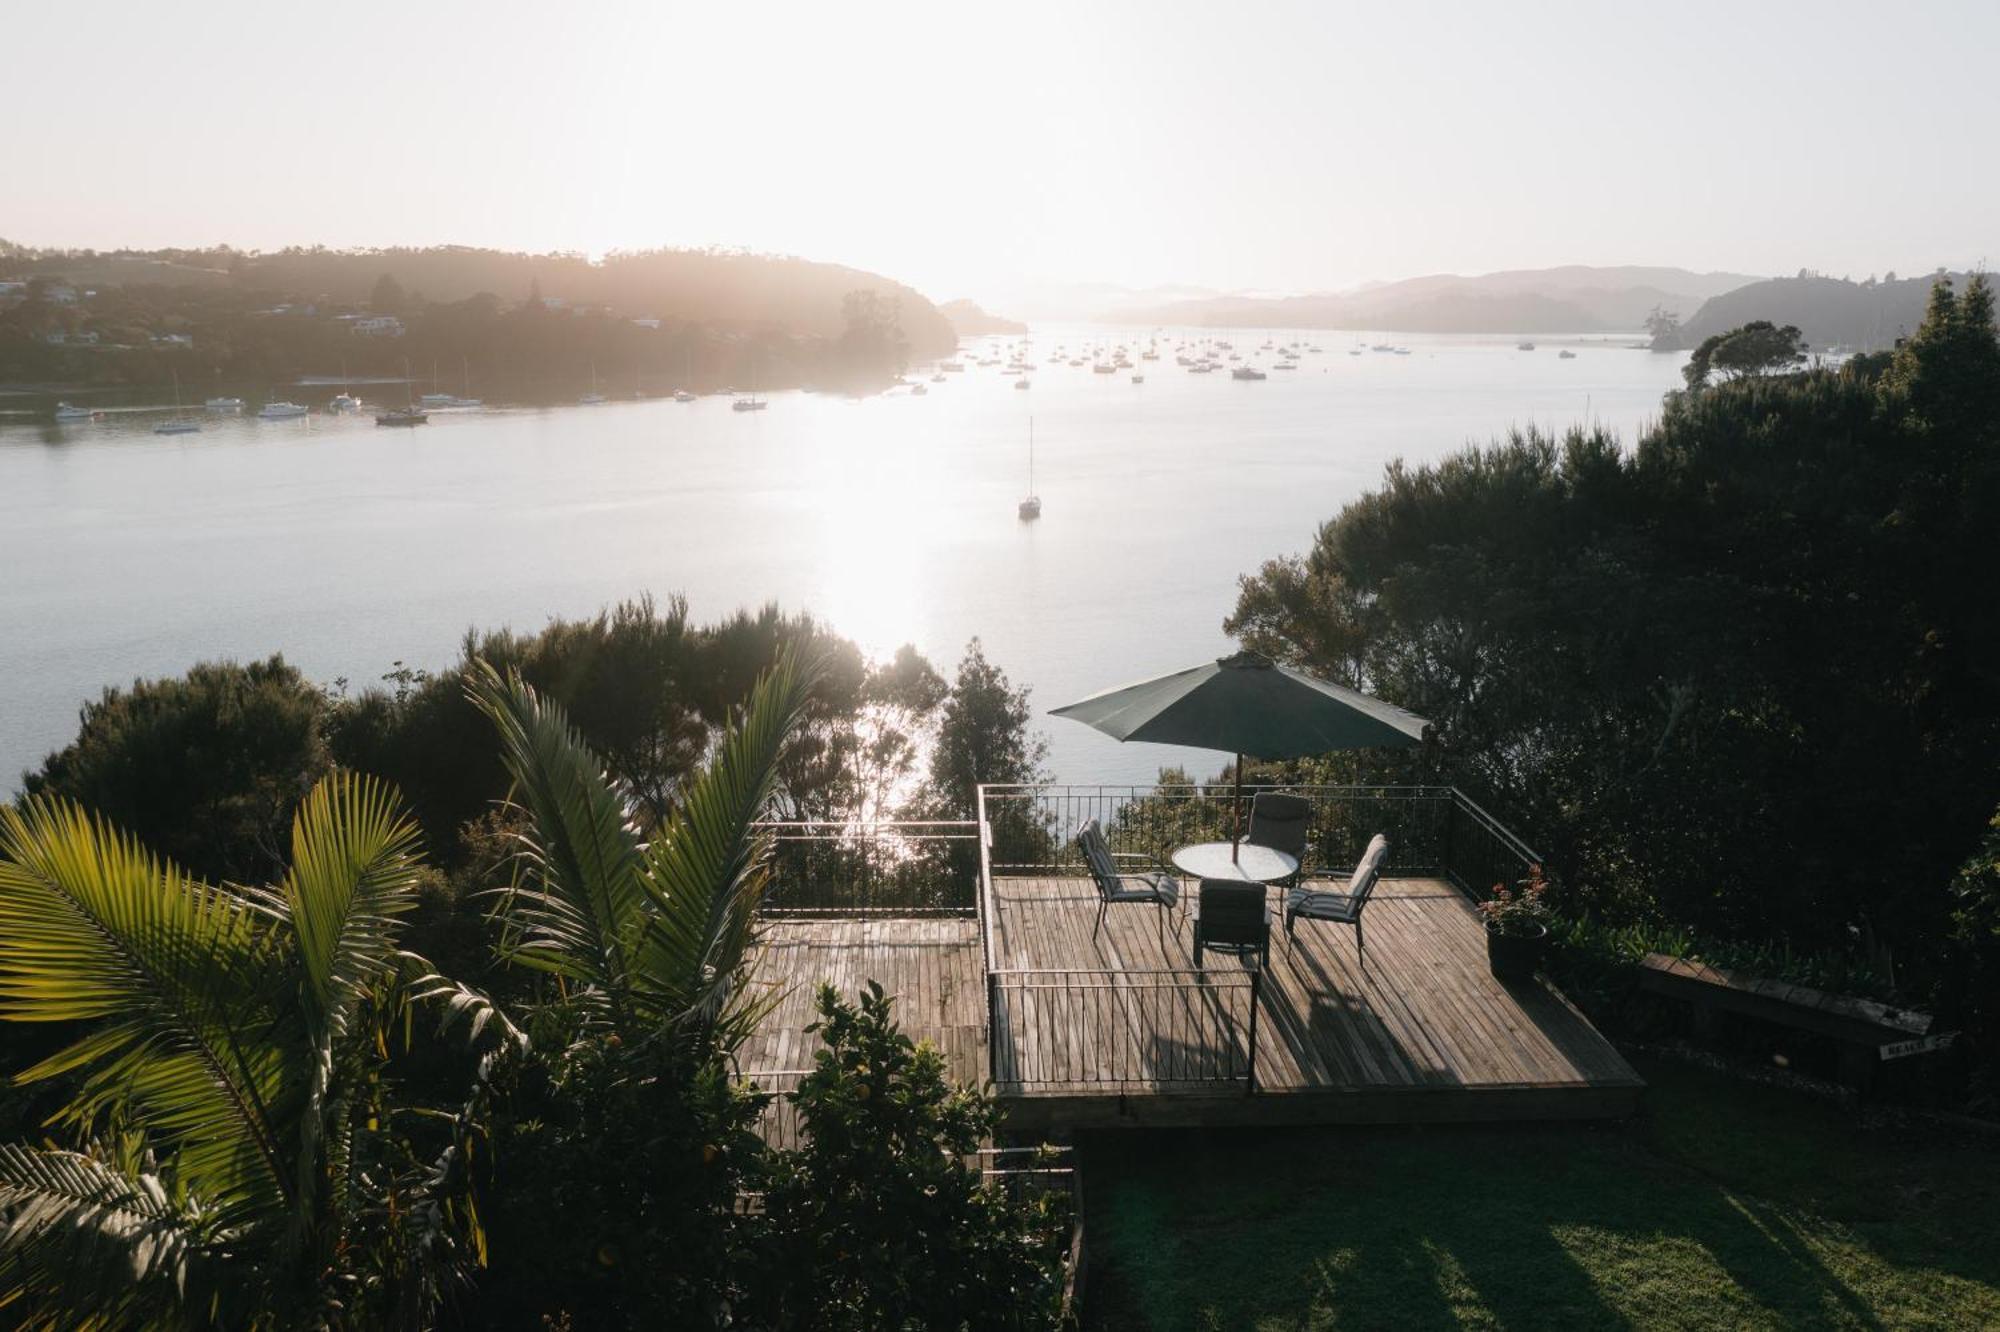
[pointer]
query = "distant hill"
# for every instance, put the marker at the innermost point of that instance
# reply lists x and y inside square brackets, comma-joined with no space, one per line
[727,290]
[971,322]
[1571,299]
[1829,312]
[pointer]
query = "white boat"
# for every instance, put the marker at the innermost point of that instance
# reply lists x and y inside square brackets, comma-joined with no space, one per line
[280,411]
[430,400]
[592,398]
[343,403]
[224,404]
[751,404]
[1030,508]
[682,395]
[67,412]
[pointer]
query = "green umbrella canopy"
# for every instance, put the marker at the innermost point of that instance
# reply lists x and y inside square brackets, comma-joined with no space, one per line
[1247,704]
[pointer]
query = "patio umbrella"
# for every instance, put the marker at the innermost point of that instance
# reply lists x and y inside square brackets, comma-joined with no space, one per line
[1247,704]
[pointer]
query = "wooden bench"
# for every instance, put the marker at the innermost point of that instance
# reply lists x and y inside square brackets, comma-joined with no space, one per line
[1866,1032]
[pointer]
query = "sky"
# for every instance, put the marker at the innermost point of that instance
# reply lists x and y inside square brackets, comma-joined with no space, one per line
[983,149]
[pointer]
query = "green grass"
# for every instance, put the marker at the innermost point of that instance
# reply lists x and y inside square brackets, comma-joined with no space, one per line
[1725,1205]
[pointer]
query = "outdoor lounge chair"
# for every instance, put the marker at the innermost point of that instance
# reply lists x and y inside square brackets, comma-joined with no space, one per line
[1281,822]
[1341,907]
[1231,917]
[1117,882]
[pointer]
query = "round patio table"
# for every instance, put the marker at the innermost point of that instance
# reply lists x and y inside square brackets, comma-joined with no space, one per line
[1252,864]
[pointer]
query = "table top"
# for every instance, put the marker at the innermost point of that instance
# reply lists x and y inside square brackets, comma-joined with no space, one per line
[1251,864]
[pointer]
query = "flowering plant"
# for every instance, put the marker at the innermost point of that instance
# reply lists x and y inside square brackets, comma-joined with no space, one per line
[1519,910]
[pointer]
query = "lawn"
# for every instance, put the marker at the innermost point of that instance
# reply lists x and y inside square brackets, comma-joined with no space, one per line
[1724,1205]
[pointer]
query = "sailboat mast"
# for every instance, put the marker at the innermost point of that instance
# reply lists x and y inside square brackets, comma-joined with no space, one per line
[1031,455]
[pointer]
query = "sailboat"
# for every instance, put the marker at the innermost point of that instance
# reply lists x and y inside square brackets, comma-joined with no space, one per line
[592,398]
[407,415]
[180,425]
[1030,508]
[753,403]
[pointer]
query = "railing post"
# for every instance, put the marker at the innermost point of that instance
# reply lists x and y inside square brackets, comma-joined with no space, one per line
[1256,990]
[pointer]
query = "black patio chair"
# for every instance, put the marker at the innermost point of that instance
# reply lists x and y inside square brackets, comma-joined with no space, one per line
[1282,822]
[1342,907]
[1231,917]
[1117,882]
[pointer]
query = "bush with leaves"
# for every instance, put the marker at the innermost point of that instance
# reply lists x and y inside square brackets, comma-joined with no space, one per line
[881,1220]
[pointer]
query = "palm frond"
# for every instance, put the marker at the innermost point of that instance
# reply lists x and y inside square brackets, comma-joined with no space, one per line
[707,871]
[582,907]
[89,1243]
[180,976]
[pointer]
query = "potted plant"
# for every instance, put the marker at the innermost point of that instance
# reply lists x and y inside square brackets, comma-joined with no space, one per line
[1517,926]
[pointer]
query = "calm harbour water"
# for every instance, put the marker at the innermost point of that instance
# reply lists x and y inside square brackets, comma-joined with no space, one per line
[349,547]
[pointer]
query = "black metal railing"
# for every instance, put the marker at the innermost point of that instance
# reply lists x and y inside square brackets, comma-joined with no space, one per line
[1432,830]
[885,868]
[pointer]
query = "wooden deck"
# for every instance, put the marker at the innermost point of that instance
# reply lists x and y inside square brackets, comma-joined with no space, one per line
[930,964]
[1420,1031]
[1119,1028]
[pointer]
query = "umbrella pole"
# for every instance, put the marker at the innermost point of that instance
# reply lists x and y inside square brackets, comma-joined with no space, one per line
[1236,843]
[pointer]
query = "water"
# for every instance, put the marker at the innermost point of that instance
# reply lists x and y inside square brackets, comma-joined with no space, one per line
[349,547]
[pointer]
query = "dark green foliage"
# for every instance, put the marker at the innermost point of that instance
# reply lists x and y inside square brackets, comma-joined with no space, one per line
[207,768]
[613,1181]
[984,735]
[1758,348]
[881,1221]
[1741,680]
[1975,986]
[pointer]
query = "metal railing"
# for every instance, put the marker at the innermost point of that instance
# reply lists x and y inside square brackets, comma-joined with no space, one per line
[898,868]
[1432,830]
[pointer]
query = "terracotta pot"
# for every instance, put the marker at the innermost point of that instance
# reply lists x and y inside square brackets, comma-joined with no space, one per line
[1515,956]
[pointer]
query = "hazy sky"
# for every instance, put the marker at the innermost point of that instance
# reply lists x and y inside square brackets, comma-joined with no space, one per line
[971,148]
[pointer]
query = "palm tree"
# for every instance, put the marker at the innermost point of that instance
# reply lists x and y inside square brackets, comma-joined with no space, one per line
[241,1159]
[650,934]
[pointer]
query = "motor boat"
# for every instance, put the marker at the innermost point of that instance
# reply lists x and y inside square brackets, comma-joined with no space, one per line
[67,412]
[682,395]
[1247,372]
[280,411]
[224,404]
[402,416]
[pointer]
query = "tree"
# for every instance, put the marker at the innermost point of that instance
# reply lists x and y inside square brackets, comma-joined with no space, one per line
[208,767]
[626,1143]
[387,296]
[238,1153]
[1757,348]
[984,735]
[881,1220]
[1664,326]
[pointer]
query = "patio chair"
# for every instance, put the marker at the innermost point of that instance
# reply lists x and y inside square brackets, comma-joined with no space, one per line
[1116,882]
[1343,907]
[1231,917]
[1282,823]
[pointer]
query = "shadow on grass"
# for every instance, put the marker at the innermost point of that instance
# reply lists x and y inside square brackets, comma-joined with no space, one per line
[1716,1212]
